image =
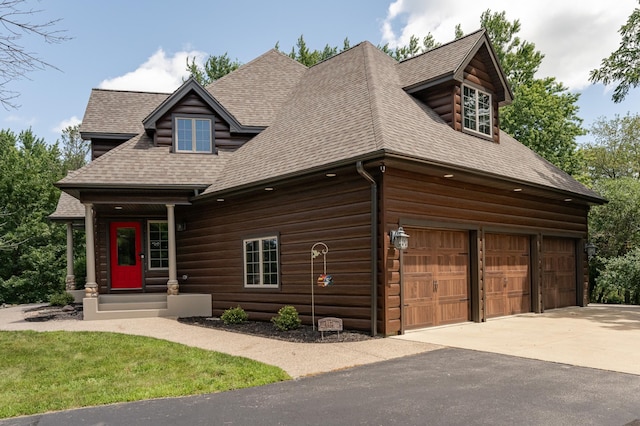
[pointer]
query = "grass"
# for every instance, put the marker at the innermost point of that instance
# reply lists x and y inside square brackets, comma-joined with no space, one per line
[42,372]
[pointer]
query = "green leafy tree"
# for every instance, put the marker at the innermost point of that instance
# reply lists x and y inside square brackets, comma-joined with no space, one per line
[622,67]
[75,151]
[32,251]
[214,68]
[619,281]
[615,150]
[543,114]
[615,227]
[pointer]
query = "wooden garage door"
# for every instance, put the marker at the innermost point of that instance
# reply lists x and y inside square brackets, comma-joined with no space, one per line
[507,278]
[436,278]
[559,272]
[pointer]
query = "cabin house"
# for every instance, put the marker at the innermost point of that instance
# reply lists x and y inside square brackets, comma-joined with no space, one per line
[212,197]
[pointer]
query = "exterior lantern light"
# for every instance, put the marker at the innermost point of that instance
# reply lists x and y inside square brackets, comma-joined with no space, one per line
[399,239]
[590,249]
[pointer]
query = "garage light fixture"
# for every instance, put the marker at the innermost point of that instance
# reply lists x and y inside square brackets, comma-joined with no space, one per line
[399,239]
[590,249]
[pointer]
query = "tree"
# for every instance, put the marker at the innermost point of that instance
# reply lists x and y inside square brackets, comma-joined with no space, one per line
[74,149]
[622,67]
[15,61]
[615,151]
[32,250]
[615,227]
[619,281]
[543,114]
[215,67]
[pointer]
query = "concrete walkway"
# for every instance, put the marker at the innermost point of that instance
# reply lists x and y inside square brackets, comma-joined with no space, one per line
[297,359]
[598,336]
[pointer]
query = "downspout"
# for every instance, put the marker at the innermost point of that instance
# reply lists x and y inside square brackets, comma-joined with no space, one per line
[374,247]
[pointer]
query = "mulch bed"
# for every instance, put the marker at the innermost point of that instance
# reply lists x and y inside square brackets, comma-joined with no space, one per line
[303,334]
[54,313]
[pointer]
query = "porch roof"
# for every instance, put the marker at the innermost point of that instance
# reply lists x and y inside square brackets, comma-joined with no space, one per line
[68,209]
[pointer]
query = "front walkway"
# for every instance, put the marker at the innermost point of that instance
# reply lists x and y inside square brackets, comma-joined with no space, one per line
[598,336]
[297,359]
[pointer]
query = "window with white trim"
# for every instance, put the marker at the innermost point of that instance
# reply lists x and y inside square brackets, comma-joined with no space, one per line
[476,110]
[261,262]
[158,244]
[193,134]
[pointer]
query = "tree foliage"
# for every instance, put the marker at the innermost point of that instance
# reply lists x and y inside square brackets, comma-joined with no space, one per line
[543,114]
[32,249]
[615,150]
[615,227]
[15,61]
[619,281]
[622,67]
[214,68]
[75,151]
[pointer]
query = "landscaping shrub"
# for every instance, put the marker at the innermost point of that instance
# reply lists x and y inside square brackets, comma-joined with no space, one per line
[235,315]
[619,281]
[287,319]
[61,299]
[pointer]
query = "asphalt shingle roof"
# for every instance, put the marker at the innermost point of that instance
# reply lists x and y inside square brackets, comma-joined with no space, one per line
[68,208]
[117,111]
[346,108]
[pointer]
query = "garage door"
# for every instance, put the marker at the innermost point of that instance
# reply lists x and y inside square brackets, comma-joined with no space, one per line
[559,272]
[436,278]
[507,277]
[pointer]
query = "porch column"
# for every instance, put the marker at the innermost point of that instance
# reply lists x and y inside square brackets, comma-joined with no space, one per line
[70,281]
[91,288]
[172,284]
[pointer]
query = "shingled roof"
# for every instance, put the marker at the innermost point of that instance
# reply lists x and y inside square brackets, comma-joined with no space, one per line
[118,112]
[350,107]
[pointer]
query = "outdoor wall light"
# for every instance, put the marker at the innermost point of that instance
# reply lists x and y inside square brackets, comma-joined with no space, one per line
[590,249]
[181,226]
[399,239]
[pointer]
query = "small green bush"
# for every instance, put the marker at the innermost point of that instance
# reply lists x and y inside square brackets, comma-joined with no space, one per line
[61,299]
[287,319]
[235,315]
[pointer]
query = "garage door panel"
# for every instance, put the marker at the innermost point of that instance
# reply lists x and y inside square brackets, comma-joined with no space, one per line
[507,274]
[559,272]
[436,278]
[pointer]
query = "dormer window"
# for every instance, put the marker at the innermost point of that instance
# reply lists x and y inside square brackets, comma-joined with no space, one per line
[193,134]
[476,110]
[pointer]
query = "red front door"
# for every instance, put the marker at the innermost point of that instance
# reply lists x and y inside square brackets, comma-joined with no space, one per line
[126,260]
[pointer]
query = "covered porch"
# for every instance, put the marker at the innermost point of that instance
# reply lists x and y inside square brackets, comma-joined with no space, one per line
[131,254]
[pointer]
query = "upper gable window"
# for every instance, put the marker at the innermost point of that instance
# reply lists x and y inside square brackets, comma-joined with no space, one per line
[193,134]
[476,111]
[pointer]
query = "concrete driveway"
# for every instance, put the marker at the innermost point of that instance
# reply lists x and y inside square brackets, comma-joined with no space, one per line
[598,336]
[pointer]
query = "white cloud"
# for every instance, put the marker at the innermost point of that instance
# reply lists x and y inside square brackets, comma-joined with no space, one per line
[574,35]
[160,73]
[66,123]
[20,120]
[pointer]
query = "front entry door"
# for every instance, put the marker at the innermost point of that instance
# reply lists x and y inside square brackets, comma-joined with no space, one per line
[126,259]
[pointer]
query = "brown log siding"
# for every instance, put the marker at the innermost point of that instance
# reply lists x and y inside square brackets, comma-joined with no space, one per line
[193,104]
[210,251]
[410,196]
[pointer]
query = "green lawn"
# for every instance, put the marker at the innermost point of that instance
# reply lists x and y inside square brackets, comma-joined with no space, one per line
[50,371]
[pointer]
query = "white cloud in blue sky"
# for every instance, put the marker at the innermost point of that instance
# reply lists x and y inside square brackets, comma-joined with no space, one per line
[574,35]
[66,123]
[159,73]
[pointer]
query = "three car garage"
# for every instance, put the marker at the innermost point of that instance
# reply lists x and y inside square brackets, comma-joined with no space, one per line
[440,281]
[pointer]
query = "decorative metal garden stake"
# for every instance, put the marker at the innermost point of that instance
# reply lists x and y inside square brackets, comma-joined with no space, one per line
[315,253]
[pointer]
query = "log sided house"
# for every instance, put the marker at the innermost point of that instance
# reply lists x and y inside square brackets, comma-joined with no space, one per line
[216,195]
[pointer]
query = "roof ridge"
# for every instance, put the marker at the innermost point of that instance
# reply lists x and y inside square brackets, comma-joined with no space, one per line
[100,89]
[272,50]
[457,40]
[372,93]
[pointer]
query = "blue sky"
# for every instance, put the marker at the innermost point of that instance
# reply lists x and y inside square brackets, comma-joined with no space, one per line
[142,45]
